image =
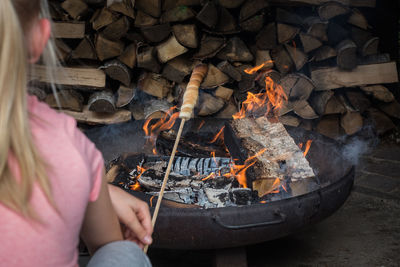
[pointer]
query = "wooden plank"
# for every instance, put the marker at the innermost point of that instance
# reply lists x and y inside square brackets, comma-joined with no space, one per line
[68,30]
[90,117]
[332,78]
[356,3]
[88,77]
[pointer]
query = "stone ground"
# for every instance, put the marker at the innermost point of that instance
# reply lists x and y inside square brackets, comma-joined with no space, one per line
[364,232]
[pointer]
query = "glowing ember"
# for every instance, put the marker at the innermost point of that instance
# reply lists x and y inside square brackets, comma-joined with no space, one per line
[165,123]
[308,145]
[219,136]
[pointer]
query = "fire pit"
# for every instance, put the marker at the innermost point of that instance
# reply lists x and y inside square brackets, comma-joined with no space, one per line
[184,226]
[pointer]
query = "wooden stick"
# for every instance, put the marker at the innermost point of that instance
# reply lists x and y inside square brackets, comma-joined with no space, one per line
[189,101]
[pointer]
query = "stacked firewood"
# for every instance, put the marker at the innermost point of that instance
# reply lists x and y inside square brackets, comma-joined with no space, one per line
[125,58]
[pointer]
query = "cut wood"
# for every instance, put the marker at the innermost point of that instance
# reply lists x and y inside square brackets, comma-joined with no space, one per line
[179,13]
[146,58]
[117,29]
[370,47]
[154,84]
[358,19]
[125,94]
[332,9]
[302,89]
[209,47]
[334,106]
[253,24]
[358,100]
[356,3]
[170,49]
[289,120]
[264,57]
[75,8]
[379,92]
[156,33]
[392,109]
[224,93]
[208,15]
[230,3]
[286,32]
[116,70]
[39,92]
[169,4]
[235,50]
[382,123]
[209,104]
[337,33]
[151,7]
[124,7]
[84,50]
[86,77]
[177,69]
[282,60]
[137,109]
[226,22]
[284,16]
[68,30]
[227,112]
[102,18]
[309,42]
[143,20]
[329,126]
[288,82]
[90,117]
[128,57]
[351,122]
[247,81]
[214,77]
[68,99]
[266,38]
[106,49]
[304,110]
[186,34]
[317,28]
[319,100]
[258,134]
[331,78]
[298,57]
[251,7]
[230,70]
[324,52]
[156,109]
[346,55]
[64,51]
[102,102]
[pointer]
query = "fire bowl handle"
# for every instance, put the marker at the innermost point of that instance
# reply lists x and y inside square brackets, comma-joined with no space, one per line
[281,219]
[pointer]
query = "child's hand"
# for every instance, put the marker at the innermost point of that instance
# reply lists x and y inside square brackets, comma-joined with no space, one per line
[134,214]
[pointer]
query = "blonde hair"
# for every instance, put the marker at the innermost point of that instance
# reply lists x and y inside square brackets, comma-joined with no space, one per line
[16,141]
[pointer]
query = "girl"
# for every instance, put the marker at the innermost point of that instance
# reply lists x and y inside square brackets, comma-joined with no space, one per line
[52,186]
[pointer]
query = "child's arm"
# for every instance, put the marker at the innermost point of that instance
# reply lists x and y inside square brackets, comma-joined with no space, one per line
[100,225]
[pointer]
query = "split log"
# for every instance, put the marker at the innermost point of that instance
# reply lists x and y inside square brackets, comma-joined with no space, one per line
[309,42]
[75,8]
[334,106]
[230,70]
[143,20]
[67,99]
[253,24]
[358,19]
[125,94]
[379,92]
[146,58]
[304,110]
[117,29]
[324,52]
[102,18]
[68,30]
[224,93]
[282,60]
[332,9]
[289,120]
[297,86]
[286,32]
[247,81]
[128,57]
[226,22]
[156,109]
[39,92]
[64,51]
[381,122]
[154,84]
[168,4]
[358,100]
[170,49]
[272,74]
[392,109]
[137,110]
[266,38]
[346,55]
[329,126]
[251,7]
[319,100]
[367,43]
[337,33]
[186,34]
[90,117]
[178,13]
[102,102]
[230,3]
[264,57]
[317,28]
[209,47]
[284,16]
[351,122]
[227,112]
[256,134]
[84,50]
[124,7]
[106,49]
[151,7]
[298,57]
[208,15]
[117,71]
[235,50]
[209,104]
[80,77]
[177,69]
[355,3]
[214,77]
[156,33]
[332,78]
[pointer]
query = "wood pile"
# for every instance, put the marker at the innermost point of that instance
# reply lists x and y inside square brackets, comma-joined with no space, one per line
[122,55]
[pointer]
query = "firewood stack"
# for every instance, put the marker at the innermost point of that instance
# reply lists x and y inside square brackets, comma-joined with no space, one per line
[127,57]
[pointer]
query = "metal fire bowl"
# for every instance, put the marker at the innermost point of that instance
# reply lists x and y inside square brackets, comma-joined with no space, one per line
[195,228]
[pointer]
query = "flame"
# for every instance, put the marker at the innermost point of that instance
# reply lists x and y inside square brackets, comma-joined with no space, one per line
[257,68]
[214,159]
[275,95]
[218,136]
[135,186]
[151,201]
[201,125]
[301,145]
[263,201]
[308,145]
[211,175]
[140,171]
[165,123]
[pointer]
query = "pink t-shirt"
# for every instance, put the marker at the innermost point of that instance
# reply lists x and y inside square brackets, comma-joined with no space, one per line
[76,169]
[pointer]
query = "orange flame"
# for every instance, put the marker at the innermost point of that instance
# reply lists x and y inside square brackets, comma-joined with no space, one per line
[257,68]
[218,136]
[165,123]
[211,175]
[308,145]
[135,186]
[151,201]
[201,125]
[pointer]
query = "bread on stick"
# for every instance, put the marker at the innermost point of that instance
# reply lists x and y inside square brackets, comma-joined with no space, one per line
[192,91]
